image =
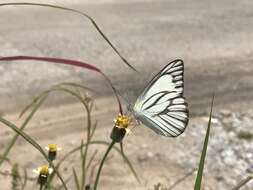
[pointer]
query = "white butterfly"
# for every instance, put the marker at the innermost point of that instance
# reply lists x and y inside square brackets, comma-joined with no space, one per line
[161,106]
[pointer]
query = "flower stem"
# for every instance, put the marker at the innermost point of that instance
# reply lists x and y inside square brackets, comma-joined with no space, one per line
[102,163]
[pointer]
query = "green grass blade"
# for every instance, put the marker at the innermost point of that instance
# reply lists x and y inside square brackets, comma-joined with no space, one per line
[110,146]
[76,179]
[243,182]
[75,85]
[25,179]
[14,139]
[34,144]
[47,92]
[180,180]
[125,158]
[92,158]
[6,159]
[197,185]
[128,162]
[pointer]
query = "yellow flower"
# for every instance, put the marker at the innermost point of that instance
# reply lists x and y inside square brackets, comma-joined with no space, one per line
[122,121]
[53,148]
[120,128]
[52,151]
[43,171]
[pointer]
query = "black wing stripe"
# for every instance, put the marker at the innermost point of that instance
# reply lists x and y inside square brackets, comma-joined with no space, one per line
[175,69]
[163,93]
[182,117]
[179,125]
[176,73]
[173,125]
[165,127]
[159,125]
[177,118]
[166,93]
[172,64]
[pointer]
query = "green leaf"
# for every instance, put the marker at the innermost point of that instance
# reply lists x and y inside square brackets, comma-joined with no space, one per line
[197,185]
[14,139]
[34,144]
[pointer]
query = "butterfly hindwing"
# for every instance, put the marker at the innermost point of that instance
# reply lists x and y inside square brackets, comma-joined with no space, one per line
[161,106]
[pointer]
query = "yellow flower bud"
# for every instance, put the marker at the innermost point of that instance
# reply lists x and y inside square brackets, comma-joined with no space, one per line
[52,147]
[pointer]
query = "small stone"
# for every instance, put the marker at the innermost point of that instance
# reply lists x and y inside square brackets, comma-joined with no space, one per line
[229,157]
[144,146]
[150,155]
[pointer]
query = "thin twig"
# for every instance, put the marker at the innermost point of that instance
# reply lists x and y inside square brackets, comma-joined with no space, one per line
[181,179]
[243,182]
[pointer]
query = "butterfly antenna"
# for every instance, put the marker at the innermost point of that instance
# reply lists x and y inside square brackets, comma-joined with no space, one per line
[124,98]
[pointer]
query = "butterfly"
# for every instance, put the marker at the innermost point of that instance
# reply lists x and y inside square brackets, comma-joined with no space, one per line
[161,106]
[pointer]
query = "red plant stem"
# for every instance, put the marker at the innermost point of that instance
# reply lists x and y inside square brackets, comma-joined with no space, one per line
[66,62]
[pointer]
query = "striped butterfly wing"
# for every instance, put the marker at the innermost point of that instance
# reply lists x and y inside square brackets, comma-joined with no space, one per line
[161,106]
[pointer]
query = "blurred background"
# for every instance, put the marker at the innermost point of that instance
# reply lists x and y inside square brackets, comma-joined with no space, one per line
[214,38]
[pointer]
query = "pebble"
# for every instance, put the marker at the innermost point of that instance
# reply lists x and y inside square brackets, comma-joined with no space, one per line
[226,152]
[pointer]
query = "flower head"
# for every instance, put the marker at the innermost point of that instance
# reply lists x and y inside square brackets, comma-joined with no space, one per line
[43,172]
[52,151]
[53,148]
[120,128]
[122,121]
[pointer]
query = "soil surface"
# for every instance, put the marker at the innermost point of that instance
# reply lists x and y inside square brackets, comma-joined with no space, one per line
[214,38]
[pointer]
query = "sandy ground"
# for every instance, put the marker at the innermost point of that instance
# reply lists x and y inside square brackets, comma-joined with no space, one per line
[212,37]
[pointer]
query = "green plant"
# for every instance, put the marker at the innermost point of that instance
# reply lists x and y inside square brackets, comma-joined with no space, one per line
[83,179]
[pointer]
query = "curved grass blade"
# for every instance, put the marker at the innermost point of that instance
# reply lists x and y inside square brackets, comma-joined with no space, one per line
[83,101]
[102,163]
[14,139]
[181,179]
[5,158]
[71,84]
[67,62]
[80,13]
[243,182]
[54,88]
[76,179]
[91,159]
[25,179]
[93,169]
[130,165]
[125,158]
[197,185]
[34,144]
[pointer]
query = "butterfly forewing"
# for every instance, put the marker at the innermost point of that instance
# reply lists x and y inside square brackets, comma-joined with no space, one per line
[161,106]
